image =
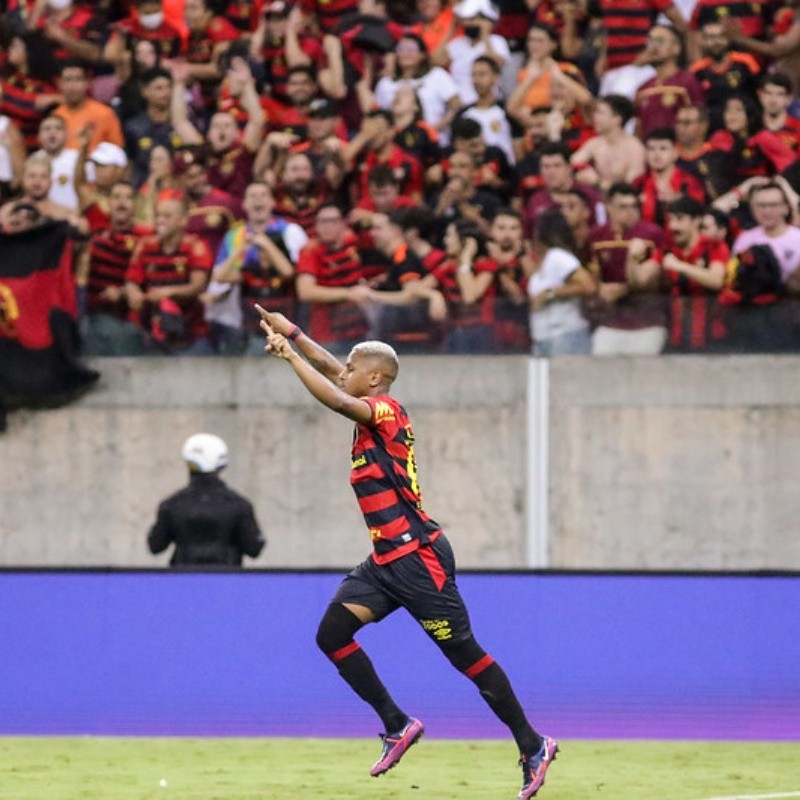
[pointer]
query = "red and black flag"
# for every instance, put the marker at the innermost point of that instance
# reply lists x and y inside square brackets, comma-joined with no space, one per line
[39,345]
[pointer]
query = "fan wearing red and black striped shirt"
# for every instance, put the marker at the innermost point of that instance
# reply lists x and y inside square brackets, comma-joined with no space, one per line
[167,273]
[103,267]
[411,565]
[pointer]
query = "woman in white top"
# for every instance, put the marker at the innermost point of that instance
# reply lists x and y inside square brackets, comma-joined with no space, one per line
[436,89]
[555,290]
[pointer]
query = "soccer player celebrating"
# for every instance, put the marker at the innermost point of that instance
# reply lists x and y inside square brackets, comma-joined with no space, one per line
[412,564]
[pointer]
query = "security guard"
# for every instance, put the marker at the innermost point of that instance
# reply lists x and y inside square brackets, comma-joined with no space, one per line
[210,524]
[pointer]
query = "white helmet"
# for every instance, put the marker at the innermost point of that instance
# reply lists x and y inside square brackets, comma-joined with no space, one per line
[205,452]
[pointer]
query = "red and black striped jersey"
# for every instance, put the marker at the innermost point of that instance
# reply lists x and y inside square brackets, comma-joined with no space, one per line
[18,95]
[627,23]
[384,478]
[109,256]
[694,321]
[340,266]
[150,267]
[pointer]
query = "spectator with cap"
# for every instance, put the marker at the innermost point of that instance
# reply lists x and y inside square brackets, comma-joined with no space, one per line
[209,524]
[105,165]
[477,18]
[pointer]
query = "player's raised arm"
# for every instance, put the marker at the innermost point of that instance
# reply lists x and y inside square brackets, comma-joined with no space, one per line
[321,387]
[315,354]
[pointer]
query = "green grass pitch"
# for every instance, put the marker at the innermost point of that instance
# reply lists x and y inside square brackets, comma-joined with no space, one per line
[45,768]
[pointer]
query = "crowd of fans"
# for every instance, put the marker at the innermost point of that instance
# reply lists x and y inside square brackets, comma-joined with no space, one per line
[572,176]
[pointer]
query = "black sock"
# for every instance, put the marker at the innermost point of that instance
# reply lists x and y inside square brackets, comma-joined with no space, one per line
[356,668]
[496,690]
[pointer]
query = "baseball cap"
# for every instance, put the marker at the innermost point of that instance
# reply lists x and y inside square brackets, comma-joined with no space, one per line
[476,8]
[107,154]
[321,107]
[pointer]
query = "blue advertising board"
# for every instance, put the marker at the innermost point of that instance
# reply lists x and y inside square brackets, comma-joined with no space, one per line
[591,655]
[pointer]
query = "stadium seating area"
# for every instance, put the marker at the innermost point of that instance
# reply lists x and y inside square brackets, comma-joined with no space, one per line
[548,176]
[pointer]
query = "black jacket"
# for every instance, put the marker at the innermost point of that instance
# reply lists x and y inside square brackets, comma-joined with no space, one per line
[209,523]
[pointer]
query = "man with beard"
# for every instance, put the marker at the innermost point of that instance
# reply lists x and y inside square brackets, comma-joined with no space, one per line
[659,99]
[106,329]
[514,266]
[36,182]
[231,157]
[722,71]
[298,193]
[168,272]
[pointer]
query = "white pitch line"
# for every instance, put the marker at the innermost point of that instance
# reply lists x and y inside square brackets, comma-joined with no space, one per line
[757,796]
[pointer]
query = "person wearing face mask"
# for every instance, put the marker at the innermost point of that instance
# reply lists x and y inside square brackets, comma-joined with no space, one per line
[477,18]
[73,30]
[147,22]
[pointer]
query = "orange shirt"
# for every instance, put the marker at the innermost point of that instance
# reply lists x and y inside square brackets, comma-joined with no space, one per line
[104,122]
[439,29]
[538,95]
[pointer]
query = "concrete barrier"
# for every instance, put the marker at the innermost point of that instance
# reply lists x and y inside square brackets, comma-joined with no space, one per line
[669,463]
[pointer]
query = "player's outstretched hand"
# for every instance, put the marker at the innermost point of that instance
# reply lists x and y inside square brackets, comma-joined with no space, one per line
[277,343]
[275,320]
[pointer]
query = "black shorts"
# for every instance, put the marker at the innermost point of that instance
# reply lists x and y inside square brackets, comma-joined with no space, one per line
[423,583]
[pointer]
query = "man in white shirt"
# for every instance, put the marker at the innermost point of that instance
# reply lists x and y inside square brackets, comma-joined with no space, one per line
[52,140]
[477,18]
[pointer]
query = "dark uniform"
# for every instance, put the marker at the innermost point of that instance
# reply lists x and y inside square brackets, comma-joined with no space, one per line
[209,523]
[412,564]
